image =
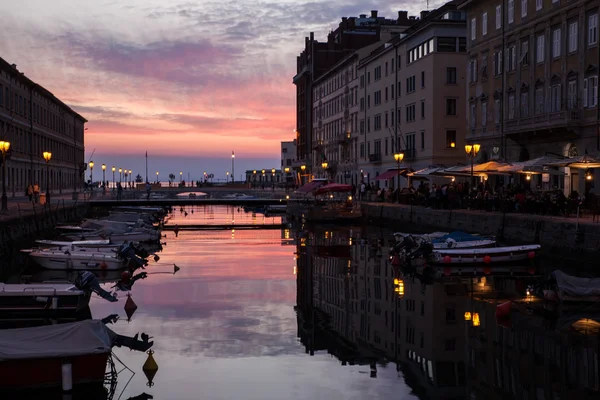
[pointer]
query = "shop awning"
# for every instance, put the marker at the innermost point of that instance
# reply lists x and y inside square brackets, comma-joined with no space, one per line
[310,186]
[391,173]
[581,162]
[334,188]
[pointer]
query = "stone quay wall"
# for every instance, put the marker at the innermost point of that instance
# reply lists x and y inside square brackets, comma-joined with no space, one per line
[556,232]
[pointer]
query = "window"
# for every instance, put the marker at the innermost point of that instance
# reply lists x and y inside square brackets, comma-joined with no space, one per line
[498,17]
[362,81]
[392,118]
[410,84]
[446,44]
[539,100]
[392,90]
[472,71]
[369,101]
[555,98]
[473,28]
[498,62]
[1,95]
[377,97]
[511,105]
[422,140]
[572,95]
[473,115]
[378,73]
[523,8]
[539,56]
[386,119]
[497,110]
[450,139]
[450,106]
[573,36]
[511,58]
[422,79]
[484,24]
[538,4]
[592,29]
[524,53]
[368,78]
[511,11]
[386,93]
[362,126]
[451,75]
[422,109]
[362,150]
[556,43]
[362,104]
[524,104]
[410,113]
[484,114]
[386,68]
[590,91]
[377,122]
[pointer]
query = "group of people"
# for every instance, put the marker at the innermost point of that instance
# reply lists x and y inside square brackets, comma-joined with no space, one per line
[33,192]
[508,198]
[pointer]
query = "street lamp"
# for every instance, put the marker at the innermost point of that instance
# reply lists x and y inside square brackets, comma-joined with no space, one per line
[104,175]
[130,177]
[4,147]
[156,176]
[113,171]
[227,173]
[232,166]
[47,156]
[273,175]
[91,164]
[398,157]
[180,176]
[472,150]
[125,175]
[120,174]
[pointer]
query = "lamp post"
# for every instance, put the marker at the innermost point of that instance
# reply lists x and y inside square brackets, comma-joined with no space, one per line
[398,157]
[180,176]
[472,150]
[287,172]
[232,167]
[113,171]
[120,174]
[227,173]
[324,165]
[302,168]
[130,178]
[104,176]
[48,156]
[125,175]
[273,175]
[91,164]
[4,147]
[254,177]
[156,176]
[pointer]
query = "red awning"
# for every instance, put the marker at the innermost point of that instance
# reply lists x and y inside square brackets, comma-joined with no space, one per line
[334,187]
[310,186]
[389,174]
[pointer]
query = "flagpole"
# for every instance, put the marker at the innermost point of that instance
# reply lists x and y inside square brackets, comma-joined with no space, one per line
[146,165]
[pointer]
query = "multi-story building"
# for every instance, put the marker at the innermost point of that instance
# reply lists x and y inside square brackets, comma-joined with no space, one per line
[533,80]
[34,122]
[318,58]
[288,156]
[412,97]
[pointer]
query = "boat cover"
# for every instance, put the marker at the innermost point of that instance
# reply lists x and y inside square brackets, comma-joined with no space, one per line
[50,341]
[459,237]
[577,287]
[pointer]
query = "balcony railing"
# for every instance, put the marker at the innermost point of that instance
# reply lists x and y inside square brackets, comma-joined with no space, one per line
[375,158]
[564,118]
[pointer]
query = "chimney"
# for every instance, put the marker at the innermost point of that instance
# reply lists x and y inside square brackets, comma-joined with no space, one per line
[363,15]
[373,13]
[424,14]
[402,15]
[14,66]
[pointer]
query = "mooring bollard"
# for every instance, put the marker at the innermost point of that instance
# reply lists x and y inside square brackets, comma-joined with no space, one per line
[67,377]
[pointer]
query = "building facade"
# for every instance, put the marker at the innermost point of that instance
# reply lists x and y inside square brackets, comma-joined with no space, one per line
[412,98]
[318,58]
[288,158]
[34,121]
[533,80]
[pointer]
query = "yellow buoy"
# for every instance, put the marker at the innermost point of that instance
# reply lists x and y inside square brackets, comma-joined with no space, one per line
[150,368]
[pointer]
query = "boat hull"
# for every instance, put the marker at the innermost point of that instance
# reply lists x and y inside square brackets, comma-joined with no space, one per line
[47,372]
[61,261]
[479,256]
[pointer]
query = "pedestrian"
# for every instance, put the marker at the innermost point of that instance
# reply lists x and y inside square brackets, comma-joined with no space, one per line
[30,192]
[119,191]
[36,193]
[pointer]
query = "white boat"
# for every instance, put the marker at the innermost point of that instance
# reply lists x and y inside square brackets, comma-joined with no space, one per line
[399,236]
[238,196]
[485,256]
[469,244]
[76,260]
[85,243]
[142,236]
[41,298]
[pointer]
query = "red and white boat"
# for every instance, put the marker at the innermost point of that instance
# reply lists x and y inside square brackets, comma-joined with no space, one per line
[493,255]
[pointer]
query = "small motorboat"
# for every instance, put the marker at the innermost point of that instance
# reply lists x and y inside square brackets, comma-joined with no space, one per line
[461,240]
[118,237]
[46,356]
[76,259]
[38,298]
[399,236]
[83,243]
[485,256]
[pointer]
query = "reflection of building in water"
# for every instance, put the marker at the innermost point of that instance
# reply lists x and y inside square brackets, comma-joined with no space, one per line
[549,356]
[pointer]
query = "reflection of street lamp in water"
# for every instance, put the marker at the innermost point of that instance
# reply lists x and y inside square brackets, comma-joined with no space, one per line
[48,156]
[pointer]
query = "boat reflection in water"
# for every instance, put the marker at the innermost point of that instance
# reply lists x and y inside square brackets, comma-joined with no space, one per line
[440,327]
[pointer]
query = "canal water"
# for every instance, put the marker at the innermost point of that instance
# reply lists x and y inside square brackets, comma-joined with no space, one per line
[286,312]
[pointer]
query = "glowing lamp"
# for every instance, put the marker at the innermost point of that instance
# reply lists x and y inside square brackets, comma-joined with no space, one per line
[476,321]
[4,146]
[48,156]
[396,281]
[467,315]
[399,157]
[287,169]
[113,169]
[103,167]
[453,144]
[324,164]
[303,167]
[91,164]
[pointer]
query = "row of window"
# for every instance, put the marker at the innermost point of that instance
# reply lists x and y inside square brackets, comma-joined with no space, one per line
[14,102]
[21,139]
[410,145]
[510,16]
[546,100]
[17,178]
[335,105]
[336,82]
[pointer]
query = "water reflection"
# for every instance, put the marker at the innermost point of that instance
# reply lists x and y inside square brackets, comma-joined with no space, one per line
[348,305]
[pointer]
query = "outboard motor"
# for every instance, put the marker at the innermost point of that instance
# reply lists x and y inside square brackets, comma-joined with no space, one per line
[87,282]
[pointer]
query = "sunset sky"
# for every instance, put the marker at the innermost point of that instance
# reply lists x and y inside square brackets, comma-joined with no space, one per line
[188,81]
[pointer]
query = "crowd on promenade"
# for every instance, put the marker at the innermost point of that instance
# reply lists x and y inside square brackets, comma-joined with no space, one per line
[509,198]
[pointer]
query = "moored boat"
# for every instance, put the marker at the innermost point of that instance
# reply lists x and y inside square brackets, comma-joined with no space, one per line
[41,298]
[485,256]
[77,260]
[85,243]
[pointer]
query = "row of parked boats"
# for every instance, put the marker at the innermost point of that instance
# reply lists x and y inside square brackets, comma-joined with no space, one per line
[113,248]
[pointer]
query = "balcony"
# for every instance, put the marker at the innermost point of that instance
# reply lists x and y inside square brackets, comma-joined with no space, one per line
[375,158]
[569,120]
